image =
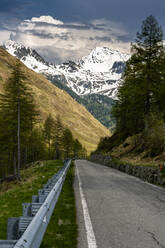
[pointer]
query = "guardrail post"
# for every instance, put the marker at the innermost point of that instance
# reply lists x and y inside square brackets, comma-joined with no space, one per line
[23,224]
[26,209]
[7,243]
[12,228]
[30,227]
[35,198]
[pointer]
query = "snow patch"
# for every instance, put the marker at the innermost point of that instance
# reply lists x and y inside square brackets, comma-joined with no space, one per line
[98,73]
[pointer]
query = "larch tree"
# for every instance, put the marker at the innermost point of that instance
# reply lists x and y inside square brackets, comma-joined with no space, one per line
[138,94]
[49,127]
[148,52]
[58,136]
[18,113]
[67,143]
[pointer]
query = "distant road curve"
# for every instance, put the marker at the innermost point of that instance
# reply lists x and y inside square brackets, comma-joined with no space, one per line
[124,212]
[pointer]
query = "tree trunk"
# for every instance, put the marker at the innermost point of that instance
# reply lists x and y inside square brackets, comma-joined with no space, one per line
[26,157]
[149,81]
[57,153]
[18,143]
[14,163]
[49,149]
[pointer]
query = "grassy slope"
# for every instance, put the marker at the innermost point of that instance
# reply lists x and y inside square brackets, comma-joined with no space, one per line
[52,100]
[127,153]
[12,195]
[62,229]
[98,105]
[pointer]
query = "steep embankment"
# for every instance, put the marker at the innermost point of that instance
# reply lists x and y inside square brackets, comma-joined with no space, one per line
[50,99]
[136,150]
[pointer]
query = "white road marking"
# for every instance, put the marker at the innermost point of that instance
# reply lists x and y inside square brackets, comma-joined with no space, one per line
[88,224]
[154,186]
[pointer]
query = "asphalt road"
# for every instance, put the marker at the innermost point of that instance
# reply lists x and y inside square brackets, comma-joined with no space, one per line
[125,212]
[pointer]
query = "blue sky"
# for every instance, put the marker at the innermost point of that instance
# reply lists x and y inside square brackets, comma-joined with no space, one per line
[82,25]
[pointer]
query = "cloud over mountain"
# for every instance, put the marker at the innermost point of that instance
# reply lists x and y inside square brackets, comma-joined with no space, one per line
[59,41]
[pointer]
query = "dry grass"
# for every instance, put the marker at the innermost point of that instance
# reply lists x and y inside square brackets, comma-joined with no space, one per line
[137,160]
[127,153]
[50,99]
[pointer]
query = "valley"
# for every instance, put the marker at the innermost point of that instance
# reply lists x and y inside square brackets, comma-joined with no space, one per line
[93,81]
[52,100]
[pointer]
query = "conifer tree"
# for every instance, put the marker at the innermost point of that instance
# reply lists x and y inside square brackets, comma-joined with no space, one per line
[18,113]
[68,143]
[139,92]
[148,51]
[58,138]
[49,127]
[77,148]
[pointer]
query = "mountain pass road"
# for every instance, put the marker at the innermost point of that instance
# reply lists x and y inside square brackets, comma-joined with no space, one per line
[115,210]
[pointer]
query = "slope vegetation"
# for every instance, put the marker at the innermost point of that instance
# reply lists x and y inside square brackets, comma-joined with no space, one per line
[98,105]
[51,99]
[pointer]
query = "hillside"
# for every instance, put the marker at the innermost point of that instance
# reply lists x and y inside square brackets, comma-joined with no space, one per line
[92,81]
[51,99]
[98,105]
[134,150]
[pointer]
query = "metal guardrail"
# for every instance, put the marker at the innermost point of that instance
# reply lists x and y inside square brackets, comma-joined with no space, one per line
[28,230]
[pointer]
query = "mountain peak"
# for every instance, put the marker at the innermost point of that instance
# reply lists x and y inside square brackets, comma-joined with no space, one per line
[103,53]
[102,59]
[11,46]
[20,51]
[97,73]
[27,55]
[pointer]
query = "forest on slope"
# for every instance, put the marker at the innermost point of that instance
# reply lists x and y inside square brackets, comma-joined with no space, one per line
[42,105]
[140,109]
[99,106]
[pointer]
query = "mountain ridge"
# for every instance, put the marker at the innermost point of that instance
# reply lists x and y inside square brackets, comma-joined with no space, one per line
[97,73]
[51,99]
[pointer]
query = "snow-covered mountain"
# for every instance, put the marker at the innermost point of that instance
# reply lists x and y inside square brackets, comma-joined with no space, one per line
[97,73]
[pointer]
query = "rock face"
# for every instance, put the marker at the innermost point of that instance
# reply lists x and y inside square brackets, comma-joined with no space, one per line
[98,73]
[29,57]
[148,174]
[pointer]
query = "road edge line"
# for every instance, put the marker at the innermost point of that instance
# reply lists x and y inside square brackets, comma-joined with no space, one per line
[91,240]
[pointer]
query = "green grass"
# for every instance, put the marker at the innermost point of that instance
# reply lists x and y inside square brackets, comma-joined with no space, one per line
[132,162]
[13,194]
[62,230]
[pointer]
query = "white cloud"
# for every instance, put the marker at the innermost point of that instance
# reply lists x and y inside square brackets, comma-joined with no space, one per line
[58,41]
[4,35]
[47,19]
